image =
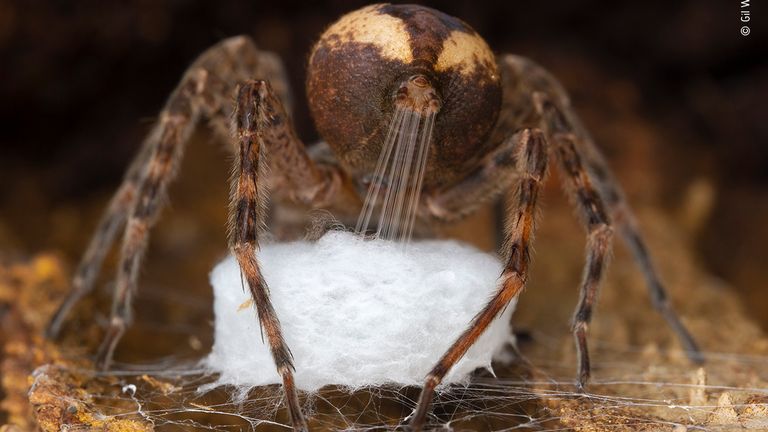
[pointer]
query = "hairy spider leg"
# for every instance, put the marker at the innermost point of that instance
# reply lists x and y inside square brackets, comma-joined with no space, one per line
[533,98]
[247,202]
[531,162]
[169,137]
[519,226]
[626,224]
[215,72]
[563,127]
[206,90]
[552,111]
[148,179]
[111,221]
[578,183]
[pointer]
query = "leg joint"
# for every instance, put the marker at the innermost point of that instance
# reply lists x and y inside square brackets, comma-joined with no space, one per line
[581,319]
[602,230]
[434,378]
[580,323]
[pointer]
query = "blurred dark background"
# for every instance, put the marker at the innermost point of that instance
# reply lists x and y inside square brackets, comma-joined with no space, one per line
[672,92]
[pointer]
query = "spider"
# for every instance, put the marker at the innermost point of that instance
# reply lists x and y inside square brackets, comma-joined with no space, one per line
[496,121]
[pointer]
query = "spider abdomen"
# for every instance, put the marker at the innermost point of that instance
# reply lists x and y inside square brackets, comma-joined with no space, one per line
[360,62]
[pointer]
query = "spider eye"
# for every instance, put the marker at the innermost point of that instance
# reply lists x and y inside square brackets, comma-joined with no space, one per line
[420,81]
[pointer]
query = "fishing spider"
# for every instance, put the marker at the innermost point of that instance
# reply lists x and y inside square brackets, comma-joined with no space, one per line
[495,123]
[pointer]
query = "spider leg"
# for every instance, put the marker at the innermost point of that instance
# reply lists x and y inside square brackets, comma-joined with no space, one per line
[626,224]
[205,90]
[111,222]
[540,100]
[531,162]
[658,293]
[167,141]
[202,91]
[259,120]
[591,205]
[573,141]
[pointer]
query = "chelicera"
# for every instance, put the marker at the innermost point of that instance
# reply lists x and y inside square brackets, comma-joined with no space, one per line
[488,124]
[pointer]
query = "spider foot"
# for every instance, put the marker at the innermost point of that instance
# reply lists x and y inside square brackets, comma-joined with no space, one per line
[107,349]
[581,386]
[419,417]
[689,344]
[292,399]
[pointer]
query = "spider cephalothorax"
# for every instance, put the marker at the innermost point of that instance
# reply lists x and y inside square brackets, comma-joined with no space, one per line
[392,88]
[361,62]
